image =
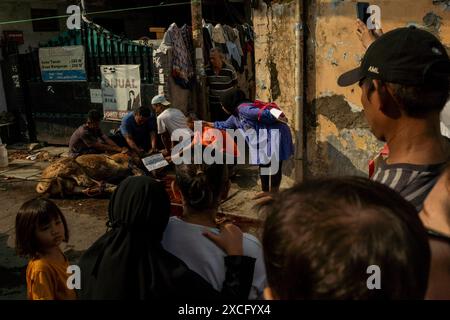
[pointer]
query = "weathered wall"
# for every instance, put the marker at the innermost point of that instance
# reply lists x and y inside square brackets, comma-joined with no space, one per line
[276,55]
[338,140]
[21,10]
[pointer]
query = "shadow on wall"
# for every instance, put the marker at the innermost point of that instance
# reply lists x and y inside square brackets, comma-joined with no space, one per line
[338,110]
[337,144]
[330,162]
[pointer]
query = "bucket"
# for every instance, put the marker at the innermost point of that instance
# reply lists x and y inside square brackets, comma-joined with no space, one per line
[3,156]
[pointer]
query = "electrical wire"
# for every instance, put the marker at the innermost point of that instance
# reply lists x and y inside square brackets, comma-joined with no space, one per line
[97,12]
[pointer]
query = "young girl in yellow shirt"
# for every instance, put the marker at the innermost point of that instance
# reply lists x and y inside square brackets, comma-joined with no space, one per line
[40,229]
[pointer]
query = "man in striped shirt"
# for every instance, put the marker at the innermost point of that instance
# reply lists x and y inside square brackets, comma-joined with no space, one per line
[221,77]
[405,79]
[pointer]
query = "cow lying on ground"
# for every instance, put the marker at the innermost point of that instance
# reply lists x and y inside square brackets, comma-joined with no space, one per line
[91,174]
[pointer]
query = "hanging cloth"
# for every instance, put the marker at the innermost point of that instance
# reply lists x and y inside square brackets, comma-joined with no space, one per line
[218,34]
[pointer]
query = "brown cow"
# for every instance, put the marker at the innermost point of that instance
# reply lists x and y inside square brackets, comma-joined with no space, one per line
[90,174]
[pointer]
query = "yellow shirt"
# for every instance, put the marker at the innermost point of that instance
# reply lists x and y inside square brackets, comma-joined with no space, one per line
[47,280]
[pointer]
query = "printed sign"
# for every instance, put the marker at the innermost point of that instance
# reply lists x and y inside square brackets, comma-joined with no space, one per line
[62,63]
[15,36]
[96,95]
[121,88]
[154,162]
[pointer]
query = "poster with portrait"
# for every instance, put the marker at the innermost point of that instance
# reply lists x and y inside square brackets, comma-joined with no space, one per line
[121,90]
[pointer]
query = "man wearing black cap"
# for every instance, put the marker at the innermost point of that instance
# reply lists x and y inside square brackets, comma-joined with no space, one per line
[404,78]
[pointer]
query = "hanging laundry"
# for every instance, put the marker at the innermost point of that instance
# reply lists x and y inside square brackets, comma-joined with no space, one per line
[229,33]
[208,27]
[165,82]
[234,54]
[249,34]
[207,44]
[218,34]
[186,32]
[237,42]
[182,66]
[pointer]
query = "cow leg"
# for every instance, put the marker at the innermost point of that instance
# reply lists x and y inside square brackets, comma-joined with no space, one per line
[59,182]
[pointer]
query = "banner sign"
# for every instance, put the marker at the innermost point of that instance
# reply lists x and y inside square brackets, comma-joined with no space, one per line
[62,63]
[121,88]
[14,36]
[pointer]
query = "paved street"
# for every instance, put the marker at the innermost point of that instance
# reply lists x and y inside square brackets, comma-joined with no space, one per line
[86,216]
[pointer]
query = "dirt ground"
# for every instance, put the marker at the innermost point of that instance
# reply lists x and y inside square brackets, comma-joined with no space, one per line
[87,219]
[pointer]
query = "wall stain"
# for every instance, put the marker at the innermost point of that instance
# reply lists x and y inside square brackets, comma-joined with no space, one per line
[336,109]
[275,90]
[432,21]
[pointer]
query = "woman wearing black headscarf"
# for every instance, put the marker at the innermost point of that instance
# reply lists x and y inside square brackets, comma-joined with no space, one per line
[128,261]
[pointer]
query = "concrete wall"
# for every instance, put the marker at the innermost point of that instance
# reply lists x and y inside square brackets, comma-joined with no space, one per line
[21,10]
[338,140]
[276,55]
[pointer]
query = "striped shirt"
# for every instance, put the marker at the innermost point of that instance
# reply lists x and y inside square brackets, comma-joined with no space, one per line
[413,182]
[219,84]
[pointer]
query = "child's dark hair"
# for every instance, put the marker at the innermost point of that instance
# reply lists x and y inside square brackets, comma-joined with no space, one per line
[31,215]
[320,237]
[201,184]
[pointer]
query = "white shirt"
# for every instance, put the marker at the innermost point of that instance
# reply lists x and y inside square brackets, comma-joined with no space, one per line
[171,119]
[186,241]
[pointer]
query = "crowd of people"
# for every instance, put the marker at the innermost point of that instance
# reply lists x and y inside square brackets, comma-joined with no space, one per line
[321,239]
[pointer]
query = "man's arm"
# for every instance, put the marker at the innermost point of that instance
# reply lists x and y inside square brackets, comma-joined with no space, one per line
[230,123]
[153,139]
[165,136]
[133,145]
[105,147]
[366,36]
[94,142]
[112,144]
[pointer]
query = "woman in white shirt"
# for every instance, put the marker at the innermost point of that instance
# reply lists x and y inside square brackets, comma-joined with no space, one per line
[202,187]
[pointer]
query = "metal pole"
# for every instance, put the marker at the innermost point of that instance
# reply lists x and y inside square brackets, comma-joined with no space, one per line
[197,37]
[83,8]
[300,71]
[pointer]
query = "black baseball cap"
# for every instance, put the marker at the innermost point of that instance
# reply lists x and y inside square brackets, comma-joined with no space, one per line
[408,56]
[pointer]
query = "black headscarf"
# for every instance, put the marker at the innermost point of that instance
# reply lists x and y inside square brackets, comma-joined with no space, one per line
[128,262]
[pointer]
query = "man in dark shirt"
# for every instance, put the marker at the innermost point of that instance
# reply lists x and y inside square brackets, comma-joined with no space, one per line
[221,77]
[89,138]
[138,131]
[404,78]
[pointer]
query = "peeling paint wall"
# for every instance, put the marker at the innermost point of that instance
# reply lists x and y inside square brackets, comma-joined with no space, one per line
[275,57]
[338,140]
[333,49]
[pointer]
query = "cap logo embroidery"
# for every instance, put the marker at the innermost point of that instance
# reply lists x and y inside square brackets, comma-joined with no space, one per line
[373,70]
